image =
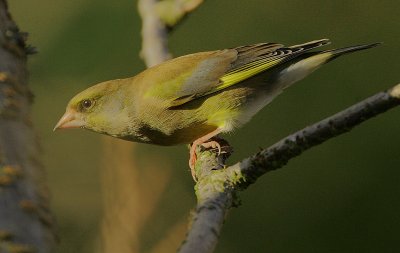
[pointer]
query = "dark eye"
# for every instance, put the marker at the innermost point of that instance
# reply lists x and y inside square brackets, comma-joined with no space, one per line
[87,103]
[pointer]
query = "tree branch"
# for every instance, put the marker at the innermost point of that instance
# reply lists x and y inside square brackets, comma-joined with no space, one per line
[216,190]
[158,18]
[293,145]
[214,199]
[25,219]
[154,34]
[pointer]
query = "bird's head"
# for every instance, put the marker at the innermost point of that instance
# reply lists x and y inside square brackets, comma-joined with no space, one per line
[96,108]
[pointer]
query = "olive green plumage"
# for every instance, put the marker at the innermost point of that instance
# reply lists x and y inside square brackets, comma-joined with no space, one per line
[188,97]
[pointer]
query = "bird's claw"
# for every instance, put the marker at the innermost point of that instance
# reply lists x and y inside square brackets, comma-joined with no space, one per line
[212,144]
[192,161]
[193,156]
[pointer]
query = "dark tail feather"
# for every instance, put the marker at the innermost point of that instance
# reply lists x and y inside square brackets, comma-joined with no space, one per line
[346,50]
[311,44]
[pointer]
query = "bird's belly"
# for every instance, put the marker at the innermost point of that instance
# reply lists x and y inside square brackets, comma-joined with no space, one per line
[184,135]
[226,110]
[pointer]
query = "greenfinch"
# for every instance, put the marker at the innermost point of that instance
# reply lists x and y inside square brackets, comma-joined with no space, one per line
[192,98]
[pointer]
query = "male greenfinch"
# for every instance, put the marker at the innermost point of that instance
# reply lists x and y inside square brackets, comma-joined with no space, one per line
[192,98]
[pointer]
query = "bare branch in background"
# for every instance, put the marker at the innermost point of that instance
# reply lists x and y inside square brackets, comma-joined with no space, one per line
[131,196]
[172,238]
[154,34]
[158,18]
[171,12]
[26,224]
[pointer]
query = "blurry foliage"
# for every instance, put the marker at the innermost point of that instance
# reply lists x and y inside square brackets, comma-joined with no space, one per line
[339,197]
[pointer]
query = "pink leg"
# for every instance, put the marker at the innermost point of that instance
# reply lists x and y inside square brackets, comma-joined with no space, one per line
[202,141]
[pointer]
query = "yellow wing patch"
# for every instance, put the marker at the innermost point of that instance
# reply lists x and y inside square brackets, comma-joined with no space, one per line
[233,77]
[246,72]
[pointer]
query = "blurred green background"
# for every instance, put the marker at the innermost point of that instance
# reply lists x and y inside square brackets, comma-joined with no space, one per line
[342,196]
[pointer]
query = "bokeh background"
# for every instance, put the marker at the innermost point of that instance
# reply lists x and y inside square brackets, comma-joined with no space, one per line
[342,196]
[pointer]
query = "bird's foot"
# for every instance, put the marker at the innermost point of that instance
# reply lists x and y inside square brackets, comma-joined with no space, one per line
[205,142]
[193,156]
[192,161]
[212,144]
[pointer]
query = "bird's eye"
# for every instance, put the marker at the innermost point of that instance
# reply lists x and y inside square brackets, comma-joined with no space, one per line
[87,103]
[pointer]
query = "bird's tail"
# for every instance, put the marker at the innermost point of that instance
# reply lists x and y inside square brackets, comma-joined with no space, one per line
[308,62]
[341,51]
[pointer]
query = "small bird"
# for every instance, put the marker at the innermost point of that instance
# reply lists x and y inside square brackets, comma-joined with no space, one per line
[192,98]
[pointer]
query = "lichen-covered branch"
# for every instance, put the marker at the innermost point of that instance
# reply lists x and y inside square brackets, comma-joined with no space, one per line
[25,220]
[293,145]
[214,199]
[217,189]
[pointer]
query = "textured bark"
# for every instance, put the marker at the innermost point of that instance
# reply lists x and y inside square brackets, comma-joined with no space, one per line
[25,221]
[214,199]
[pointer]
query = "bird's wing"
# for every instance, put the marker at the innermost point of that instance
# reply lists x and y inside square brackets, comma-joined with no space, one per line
[176,80]
[201,74]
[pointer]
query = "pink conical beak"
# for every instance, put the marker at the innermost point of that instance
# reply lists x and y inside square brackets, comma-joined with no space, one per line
[69,120]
